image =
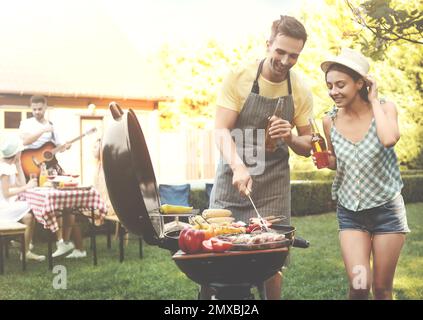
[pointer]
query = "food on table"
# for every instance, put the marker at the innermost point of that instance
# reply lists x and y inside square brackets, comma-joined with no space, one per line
[48,184]
[70,184]
[172,209]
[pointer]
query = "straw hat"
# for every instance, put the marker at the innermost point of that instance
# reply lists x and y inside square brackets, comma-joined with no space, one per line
[349,58]
[10,145]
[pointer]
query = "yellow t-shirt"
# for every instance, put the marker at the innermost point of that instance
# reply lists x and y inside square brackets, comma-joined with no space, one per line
[238,83]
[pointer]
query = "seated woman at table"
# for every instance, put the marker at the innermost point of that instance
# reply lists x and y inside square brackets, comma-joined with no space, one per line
[12,182]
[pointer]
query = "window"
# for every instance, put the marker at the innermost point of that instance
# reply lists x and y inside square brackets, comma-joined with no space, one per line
[12,119]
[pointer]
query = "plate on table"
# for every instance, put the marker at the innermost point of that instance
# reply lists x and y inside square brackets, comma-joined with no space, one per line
[76,187]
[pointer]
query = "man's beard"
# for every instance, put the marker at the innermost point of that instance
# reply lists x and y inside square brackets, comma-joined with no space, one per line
[278,68]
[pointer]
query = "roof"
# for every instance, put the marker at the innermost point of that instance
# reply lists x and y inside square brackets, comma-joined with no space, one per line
[72,50]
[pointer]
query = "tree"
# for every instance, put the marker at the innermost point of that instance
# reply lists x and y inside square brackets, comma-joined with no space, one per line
[389,22]
[193,77]
[399,74]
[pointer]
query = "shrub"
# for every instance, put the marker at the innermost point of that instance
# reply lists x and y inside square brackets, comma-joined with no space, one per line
[314,197]
[412,190]
[311,197]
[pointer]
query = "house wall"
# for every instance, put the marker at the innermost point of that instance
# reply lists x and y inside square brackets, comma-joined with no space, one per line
[177,156]
[68,122]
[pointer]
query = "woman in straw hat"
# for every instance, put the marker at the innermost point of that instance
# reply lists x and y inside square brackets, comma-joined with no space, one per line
[362,131]
[12,182]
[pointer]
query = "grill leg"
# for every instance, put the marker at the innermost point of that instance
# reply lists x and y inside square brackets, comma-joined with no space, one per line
[232,291]
[205,292]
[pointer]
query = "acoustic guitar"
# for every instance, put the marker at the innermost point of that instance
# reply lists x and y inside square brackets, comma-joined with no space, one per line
[32,159]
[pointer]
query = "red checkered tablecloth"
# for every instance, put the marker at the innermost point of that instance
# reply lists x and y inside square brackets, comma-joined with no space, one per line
[44,203]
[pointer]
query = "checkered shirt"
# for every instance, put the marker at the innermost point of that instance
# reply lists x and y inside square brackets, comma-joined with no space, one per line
[367,174]
[45,202]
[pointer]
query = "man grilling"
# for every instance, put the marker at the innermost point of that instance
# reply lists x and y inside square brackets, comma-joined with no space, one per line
[247,101]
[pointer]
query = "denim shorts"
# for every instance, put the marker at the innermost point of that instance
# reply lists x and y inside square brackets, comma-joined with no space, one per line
[387,218]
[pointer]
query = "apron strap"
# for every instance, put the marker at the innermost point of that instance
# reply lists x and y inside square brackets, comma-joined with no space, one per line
[289,84]
[256,89]
[52,133]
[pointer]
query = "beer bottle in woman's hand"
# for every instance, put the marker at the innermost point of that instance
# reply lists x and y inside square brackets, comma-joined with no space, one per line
[320,152]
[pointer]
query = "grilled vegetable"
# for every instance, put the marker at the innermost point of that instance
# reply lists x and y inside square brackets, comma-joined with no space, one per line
[221,220]
[169,209]
[207,246]
[215,213]
[220,245]
[216,245]
[219,230]
[190,240]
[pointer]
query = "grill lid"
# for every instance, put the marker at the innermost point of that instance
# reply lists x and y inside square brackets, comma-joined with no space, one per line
[130,178]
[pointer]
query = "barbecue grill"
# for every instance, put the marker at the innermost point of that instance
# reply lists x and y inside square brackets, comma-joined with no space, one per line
[133,192]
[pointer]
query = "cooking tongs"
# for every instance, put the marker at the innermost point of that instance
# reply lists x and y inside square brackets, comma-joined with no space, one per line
[263,224]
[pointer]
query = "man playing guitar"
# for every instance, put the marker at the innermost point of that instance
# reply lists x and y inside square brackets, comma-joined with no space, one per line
[37,131]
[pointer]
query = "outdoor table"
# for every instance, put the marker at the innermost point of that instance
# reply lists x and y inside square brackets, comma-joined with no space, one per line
[45,202]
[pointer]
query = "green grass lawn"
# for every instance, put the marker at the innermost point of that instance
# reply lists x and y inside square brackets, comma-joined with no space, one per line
[314,273]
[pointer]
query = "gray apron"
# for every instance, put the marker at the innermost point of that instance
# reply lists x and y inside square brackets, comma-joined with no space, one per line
[271,191]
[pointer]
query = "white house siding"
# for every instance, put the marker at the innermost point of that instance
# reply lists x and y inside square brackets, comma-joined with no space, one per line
[177,156]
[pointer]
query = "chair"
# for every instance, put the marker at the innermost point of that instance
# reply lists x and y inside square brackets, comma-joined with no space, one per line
[8,229]
[111,218]
[121,232]
[209,187]
[177,195]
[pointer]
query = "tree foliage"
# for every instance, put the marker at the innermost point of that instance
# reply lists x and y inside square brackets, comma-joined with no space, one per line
[193,75]
[389,21]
